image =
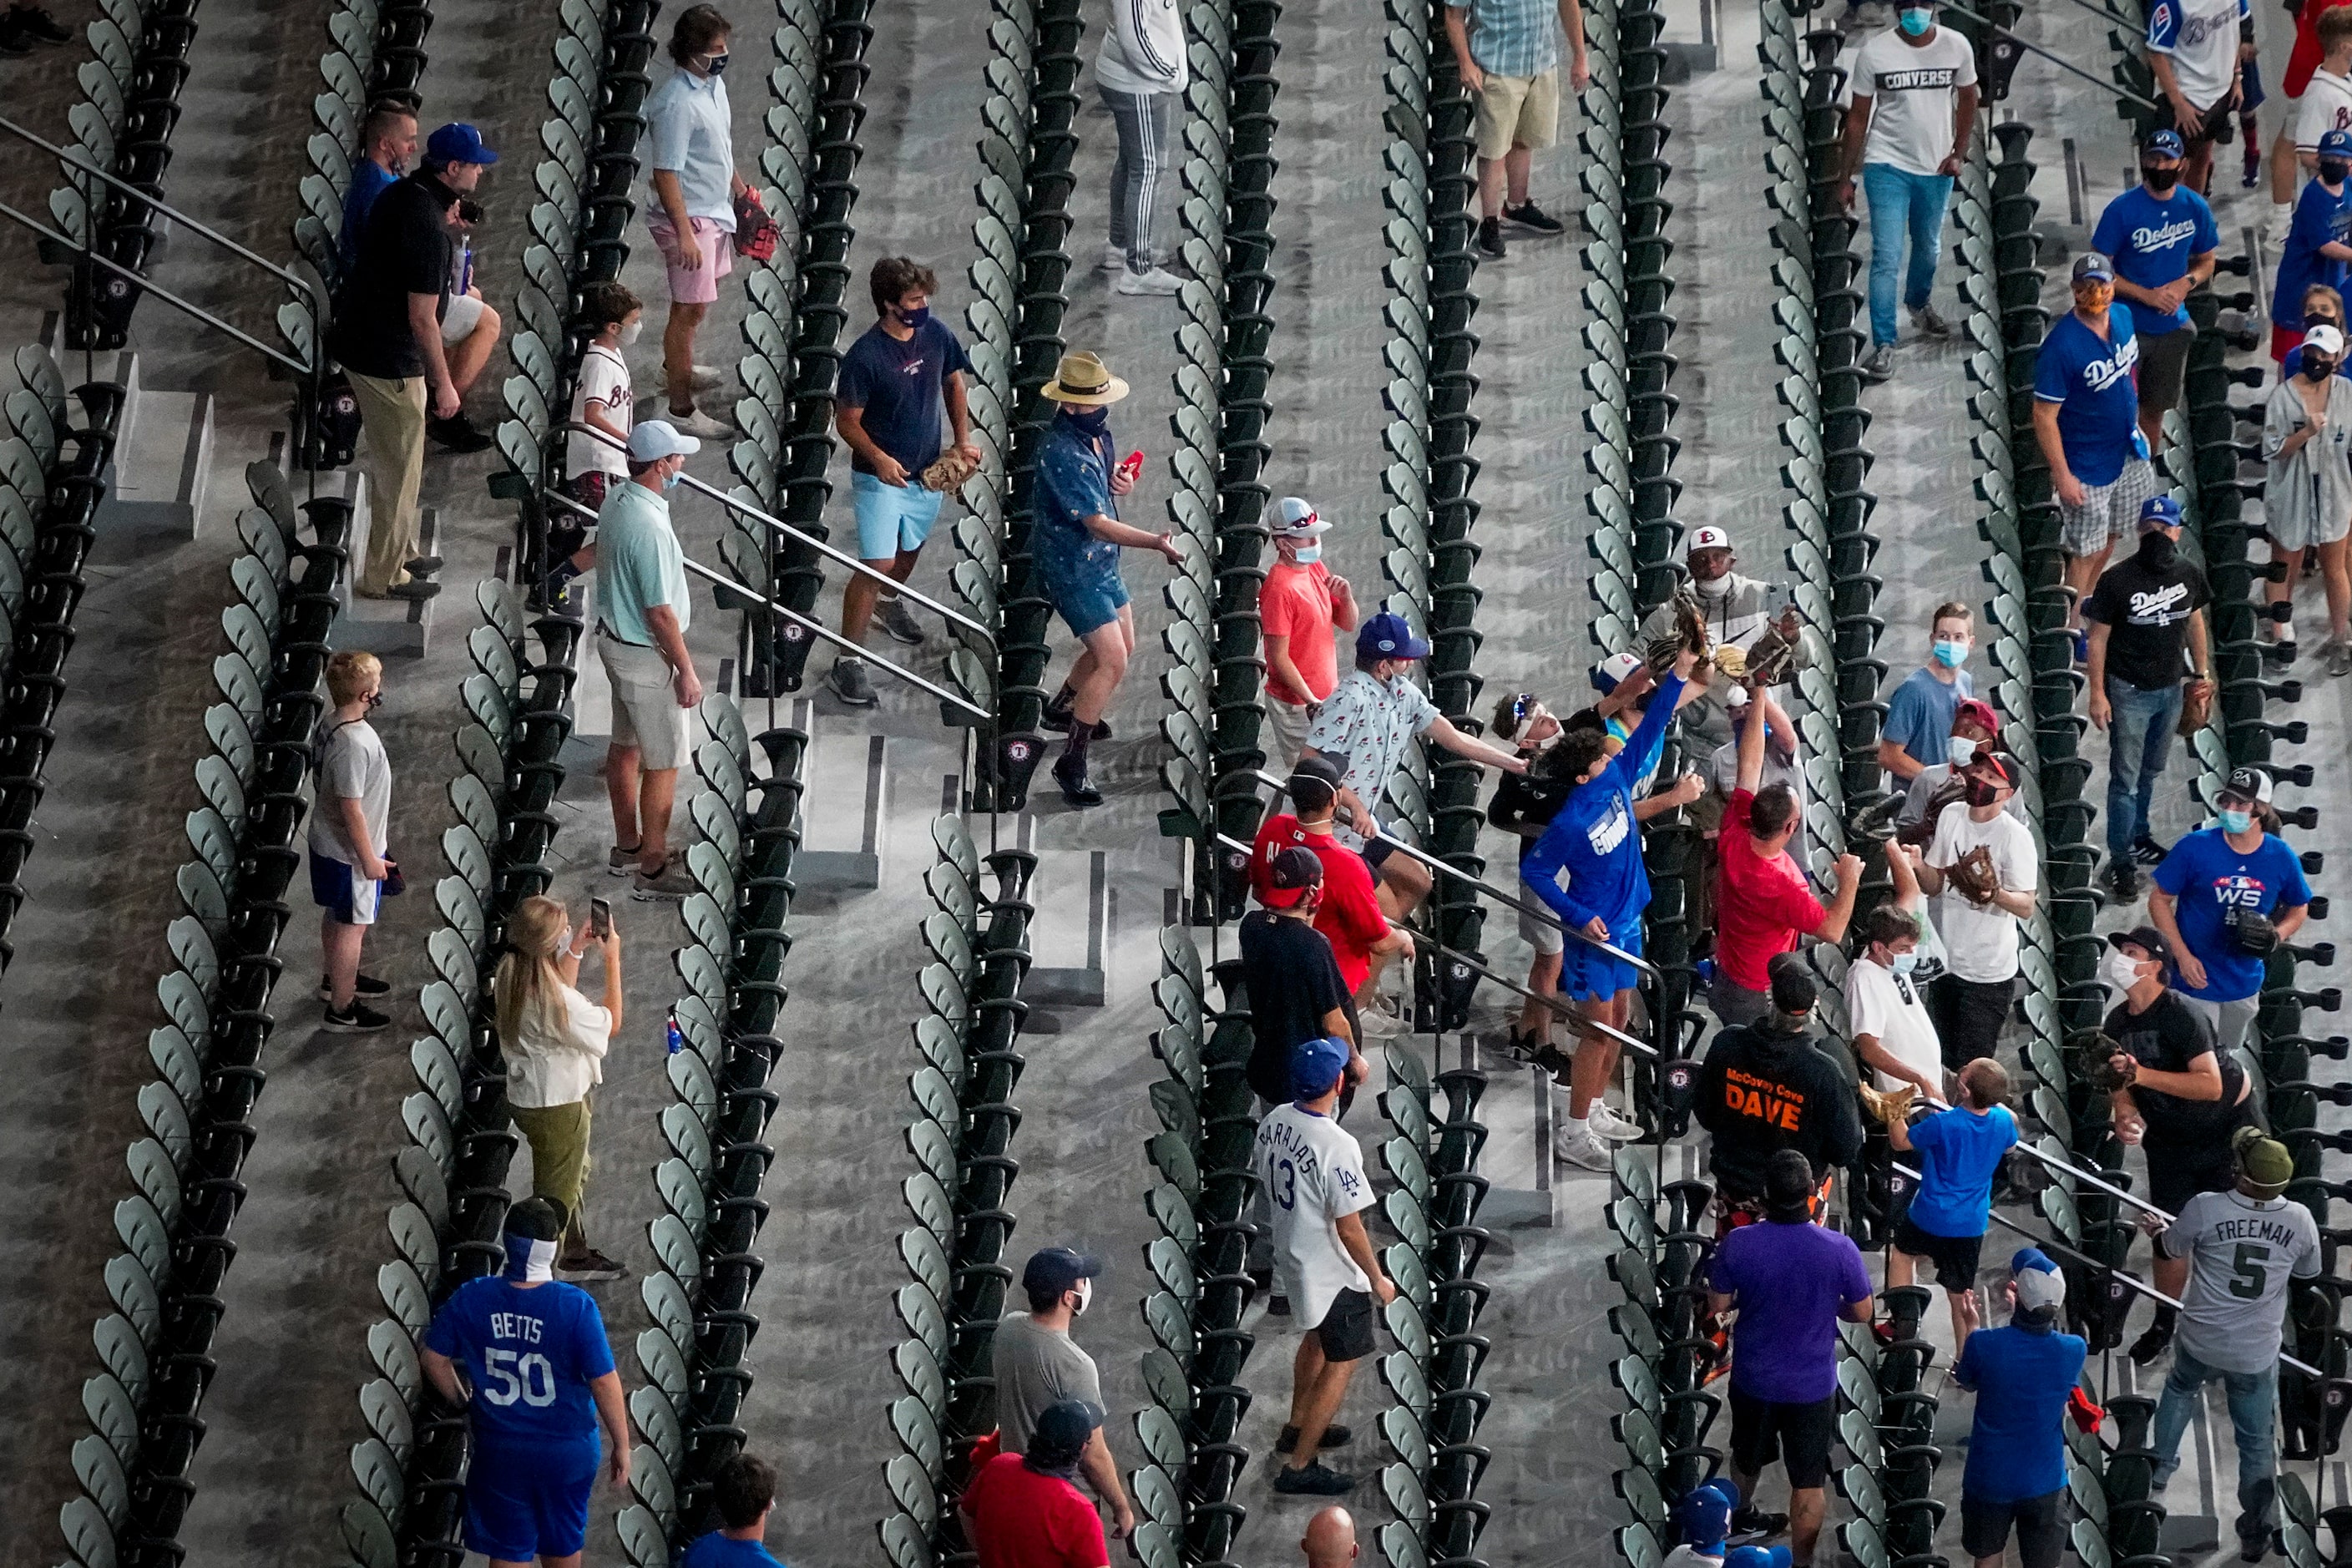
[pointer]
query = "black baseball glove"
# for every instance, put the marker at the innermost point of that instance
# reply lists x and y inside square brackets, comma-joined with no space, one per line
[2252,932]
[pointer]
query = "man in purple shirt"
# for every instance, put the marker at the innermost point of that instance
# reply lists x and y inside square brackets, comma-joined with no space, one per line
[1790,1281]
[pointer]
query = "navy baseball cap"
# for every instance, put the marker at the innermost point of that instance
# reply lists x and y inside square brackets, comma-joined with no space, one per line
[1055,1269]
[1386,635]
[2164,144]
[1315,1065]
[457,142]
[2159,511]
[2335,143]
[2092,267]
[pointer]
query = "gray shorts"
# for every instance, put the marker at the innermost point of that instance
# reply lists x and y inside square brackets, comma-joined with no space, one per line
[2108,513]
[645,713]
[1543,931]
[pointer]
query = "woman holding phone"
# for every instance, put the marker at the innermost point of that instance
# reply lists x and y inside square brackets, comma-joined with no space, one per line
[554,1039]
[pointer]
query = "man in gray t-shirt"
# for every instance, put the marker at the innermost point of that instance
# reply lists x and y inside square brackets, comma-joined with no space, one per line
[2243,1248]
[1036,1364]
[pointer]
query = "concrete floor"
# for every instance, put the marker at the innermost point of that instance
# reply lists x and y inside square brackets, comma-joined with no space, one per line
[291,1348]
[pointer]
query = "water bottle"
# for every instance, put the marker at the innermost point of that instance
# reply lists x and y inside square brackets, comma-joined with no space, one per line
[466,267]
[677,1038]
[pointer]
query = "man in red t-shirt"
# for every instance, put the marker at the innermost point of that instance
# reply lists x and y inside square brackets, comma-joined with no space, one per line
[1360,936]
[1763,907]
[1299,605]
[1024,1510]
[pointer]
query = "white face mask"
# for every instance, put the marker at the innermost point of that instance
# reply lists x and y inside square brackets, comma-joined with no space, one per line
[564,940]
[1085,1297]
[2118,970]
[1960,749]
[1714,588]
[634,331]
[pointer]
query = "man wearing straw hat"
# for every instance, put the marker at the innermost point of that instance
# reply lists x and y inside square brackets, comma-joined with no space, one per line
[1074,548]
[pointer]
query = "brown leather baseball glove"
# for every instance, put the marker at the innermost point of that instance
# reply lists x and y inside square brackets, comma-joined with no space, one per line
[1922,832]
[948,471]
[1974,879]
[1889,1108]
[1769,656]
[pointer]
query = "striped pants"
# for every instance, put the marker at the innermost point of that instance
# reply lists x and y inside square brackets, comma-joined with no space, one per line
[1147,144]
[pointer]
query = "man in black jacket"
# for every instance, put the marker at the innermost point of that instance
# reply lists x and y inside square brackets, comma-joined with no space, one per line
[1767,1086]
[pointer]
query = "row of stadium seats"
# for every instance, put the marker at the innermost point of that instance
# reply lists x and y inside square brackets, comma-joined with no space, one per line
[695,1356]
[1023,227]
[961,1136]
[32,435]
[165,1283]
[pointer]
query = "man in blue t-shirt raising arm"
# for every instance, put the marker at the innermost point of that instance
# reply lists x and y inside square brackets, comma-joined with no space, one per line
[2023,1375]
[2087,418]
[2161,237]
[525,1355]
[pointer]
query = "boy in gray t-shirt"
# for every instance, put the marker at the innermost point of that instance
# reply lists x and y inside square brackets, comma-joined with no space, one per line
[2243,1248]
[349,820]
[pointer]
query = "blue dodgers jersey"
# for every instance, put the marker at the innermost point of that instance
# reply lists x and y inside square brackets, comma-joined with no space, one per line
[2150,241]
[2095,384]
[2320,216]
[529,1355]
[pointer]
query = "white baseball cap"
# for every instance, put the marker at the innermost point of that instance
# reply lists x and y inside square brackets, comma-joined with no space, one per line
[1708,538]
[1296,518]
[654,439]
[2324,338]
[1613,669]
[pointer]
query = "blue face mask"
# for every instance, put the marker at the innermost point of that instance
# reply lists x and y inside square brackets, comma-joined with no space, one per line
[1903,962]
[2237,821]
[716,65]
[914,318]
[1915,21]
[1951,655]
[670,481]
[1308,555]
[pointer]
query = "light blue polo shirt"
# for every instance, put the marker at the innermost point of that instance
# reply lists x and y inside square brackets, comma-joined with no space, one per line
[693,139]
[638,564]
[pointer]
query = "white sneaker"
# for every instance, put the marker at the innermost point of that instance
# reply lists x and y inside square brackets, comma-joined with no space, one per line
[1158,281]
[1379,1024]
[702,427]
[1583,1150]
[1113,259]
[1607,1123]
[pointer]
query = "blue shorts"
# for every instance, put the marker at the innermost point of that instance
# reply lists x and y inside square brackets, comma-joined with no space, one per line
[522,1506]
[892,517]
[1082,584]
[1588,975]
[348,898]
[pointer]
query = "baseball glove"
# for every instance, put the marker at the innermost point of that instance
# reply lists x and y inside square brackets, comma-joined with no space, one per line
[1889,1108]
[2253,932]
[1973,877]
[948,471]
[1920,834]
[1689,632]
[1769,657]
[2107,1073]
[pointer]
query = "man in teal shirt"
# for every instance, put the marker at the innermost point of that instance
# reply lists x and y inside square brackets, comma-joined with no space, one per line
[643,609]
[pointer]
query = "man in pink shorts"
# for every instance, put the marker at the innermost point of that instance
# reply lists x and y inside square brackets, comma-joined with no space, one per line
[693,218]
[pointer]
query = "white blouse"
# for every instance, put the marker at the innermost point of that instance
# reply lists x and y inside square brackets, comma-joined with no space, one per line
[545,1070]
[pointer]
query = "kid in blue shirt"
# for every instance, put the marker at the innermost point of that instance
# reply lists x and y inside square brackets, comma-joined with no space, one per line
[2315,250]
[744,1491]
[1959,1151]
[2024,1376]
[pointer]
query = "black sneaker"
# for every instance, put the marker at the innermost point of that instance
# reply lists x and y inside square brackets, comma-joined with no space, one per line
[1059,721]
[366,985]
[2148,851]
[35,23]
[1490,238]
[415,588]
[1313,1479]
[1533,218]
[1277,1306]
[2153,1344]
[1334,1435]
[2253,1549]
[358,1018]
[1076,788]
[422,566]
[2121,879]
[1755,1524]
[588,1266]
[14,38]
[458,434]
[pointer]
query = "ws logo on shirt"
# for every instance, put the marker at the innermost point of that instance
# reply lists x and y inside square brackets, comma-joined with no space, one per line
[2238,890]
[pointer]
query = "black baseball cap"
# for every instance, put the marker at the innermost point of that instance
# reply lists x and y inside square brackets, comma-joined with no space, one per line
[1055,1269]
[1293,870]
[2148,939]
[1313,782]
[2250,784]
[1794,990]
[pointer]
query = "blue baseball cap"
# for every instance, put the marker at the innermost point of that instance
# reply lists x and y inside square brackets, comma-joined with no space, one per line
[1386,635]
[2094,268]
[1703,1514]
[1758,1557]
[457,142]
[2159,511]
[2164,144]
[1315,1065]
[2338,143]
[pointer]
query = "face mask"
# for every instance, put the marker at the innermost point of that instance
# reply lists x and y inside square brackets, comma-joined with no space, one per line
[2157,547]
[1085,1297]
[633,331]
[1308,555]
[1949,654]
[715,64]
[2118,970]
[1915,22]
[2316,370]
[1960,749]
[914,318]
[671,481]
[2160,179]
[1903,962]
[2237,821]
[2333,170]
[1982,794]
[562,941]
[2096,299]
[1713,589]
[1093,421]
[374,700]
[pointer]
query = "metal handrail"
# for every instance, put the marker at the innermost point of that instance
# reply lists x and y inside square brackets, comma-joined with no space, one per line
[2060,61]
[2052,1163]
[736,504]
[1540,911]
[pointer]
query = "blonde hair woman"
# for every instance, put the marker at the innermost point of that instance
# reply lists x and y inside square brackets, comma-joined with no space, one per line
[555,1039]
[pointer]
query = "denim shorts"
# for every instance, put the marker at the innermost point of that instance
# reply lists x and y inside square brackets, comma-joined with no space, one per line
[892,518]
[1082,584]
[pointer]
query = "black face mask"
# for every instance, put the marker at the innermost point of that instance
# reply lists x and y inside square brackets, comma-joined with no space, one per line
[2160,179]
[1982,794]
[2316,370]
[2157,547]
[2333,170]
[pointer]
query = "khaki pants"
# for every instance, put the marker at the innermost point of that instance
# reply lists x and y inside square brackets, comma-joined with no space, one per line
[1287,724]
[558,1135]
[1517,112]
[391,414]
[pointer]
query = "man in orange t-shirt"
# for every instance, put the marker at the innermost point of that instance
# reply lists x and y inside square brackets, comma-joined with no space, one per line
[1300,603]
[1351,914]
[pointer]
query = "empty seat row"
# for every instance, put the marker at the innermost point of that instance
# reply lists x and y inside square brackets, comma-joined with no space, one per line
[166,1284]
[1666,1353]
[32,434]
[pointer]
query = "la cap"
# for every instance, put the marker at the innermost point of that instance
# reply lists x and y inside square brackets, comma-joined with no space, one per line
[457,142]
[1315,1065]
[2164,144]
[2262,1160]
[654,439]
[2148,939]
[1054,1269]
[1977,711]
[2092,267]
[1613,670]
[1707,538]
[2041,1287]
[1296,868]
[2250,784]
[2164,511]
[1296,518]
[2338,142]
[2324,338]
[1387,636]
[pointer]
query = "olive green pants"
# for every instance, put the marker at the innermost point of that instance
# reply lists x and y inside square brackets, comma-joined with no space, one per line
[558,1135]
